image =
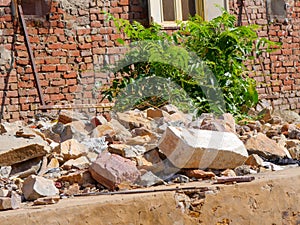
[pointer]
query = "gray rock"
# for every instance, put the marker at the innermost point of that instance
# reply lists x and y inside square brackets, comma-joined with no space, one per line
[149,179]
[95,144]
[193,149]
[35,187]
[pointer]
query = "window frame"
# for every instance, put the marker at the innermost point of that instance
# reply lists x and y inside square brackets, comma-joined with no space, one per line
[155,8]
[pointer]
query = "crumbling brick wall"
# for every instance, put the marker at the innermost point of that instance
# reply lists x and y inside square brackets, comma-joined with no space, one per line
[278,76]
[73,42]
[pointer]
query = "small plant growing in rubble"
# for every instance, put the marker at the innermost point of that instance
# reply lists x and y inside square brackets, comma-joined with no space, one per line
[184,58]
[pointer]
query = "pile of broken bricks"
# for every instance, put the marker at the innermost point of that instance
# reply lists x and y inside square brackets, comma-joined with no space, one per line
[74,154]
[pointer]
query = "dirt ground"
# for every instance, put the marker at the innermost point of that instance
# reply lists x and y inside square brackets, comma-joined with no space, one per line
[272,198]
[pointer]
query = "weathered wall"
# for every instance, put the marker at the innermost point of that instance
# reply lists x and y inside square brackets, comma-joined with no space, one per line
[279,75]
[74,42]
[70,47]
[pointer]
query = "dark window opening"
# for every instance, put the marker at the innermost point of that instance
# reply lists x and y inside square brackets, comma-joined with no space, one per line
[188,9]
[36,8]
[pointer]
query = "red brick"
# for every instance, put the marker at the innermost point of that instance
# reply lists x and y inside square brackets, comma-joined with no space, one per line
[58,82]
[63,68]
[48,68]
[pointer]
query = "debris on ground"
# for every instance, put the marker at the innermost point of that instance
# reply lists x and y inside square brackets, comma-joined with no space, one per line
[75,154]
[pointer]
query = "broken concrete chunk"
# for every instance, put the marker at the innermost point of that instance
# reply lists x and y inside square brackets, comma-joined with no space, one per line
[131,121]
[75,130]
[111,170]
[264,147]
[127,151]
[24,169]
[4,192]
[82,177]
[72,149]
[35,187]
[103,130]
[47,200]
[149,179]
[15,200]
[200,149]
[15,150]
[254,161]
[95,144]
[5,203]
[5,171]
[79,163]
[67,116]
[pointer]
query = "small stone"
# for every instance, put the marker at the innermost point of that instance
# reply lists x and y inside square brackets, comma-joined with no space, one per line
[242,170]
[199,174]
[82,177]
[149,179]
[79,163]
[15,200]
[254,161]
[72,149]
[228,173]
[35,187]
[47,200]
[131,121]
[154,113]
[5,203]
[103,130]
[4,192]
[5,171]
[98,120]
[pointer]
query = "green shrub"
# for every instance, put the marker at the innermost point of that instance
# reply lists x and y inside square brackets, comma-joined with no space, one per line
[203,60]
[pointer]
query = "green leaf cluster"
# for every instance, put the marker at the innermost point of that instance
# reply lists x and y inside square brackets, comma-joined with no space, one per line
[204,60]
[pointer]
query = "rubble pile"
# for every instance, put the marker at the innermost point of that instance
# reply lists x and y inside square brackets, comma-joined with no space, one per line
[75,154]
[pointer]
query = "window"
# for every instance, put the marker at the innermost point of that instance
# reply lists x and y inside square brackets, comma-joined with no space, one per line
[167,12]
[36,8]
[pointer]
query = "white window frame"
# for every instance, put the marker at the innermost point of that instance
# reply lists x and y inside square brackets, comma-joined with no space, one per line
[202,8]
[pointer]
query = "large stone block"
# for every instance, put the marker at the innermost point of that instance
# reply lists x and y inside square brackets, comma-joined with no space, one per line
[15,149]
[265,147]
[111,170]
[193,148]
[35,187]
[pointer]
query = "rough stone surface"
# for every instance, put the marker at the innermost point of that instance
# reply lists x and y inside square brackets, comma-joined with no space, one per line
[5,203]
[72,149]
[264,146]
[35,187]
[191,148]
[111,170]
[14,150]
[199,174]
[254,161]
[67,116]
[149,179]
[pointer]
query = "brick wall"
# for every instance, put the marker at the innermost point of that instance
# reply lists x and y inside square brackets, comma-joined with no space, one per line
[70,47]
[74,41]
[278,76]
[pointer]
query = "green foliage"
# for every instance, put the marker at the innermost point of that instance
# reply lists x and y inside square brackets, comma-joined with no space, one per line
[202,60]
